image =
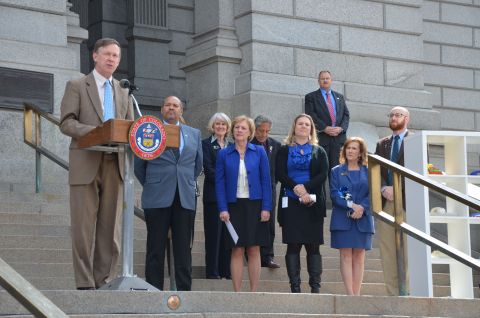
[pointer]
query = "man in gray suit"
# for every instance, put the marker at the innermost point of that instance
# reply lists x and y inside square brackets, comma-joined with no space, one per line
[168,199]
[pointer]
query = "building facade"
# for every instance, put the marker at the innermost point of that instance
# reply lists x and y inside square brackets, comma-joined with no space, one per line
[252,57]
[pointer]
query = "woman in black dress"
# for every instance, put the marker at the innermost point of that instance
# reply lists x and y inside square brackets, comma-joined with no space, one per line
[217,256]
[302,168]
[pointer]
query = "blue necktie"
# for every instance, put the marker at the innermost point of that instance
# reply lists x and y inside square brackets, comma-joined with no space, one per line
[393,157]
[176,153]
[108,102]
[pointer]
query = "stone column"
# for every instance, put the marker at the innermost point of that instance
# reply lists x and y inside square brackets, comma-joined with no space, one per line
[212,62]
[81,8]
[76,31]
[148,53]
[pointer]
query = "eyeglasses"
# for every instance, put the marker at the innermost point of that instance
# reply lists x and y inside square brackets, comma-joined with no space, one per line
[396,115]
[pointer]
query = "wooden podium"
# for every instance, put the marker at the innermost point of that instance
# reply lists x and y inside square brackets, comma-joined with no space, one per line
[112,136]
[115,132]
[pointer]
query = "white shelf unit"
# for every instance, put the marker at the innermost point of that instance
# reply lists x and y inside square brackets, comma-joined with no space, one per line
[457,217]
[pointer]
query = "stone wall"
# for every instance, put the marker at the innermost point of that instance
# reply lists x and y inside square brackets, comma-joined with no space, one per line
[46,36]
[41,36]
[157,41]
[451,32]
[154,35]
[452,61]
[212,62]
[256,57]
[379,53]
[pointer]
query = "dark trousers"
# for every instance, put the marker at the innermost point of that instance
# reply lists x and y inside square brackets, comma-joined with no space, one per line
[332,149]
[158,221]
[217,257]
[266,252]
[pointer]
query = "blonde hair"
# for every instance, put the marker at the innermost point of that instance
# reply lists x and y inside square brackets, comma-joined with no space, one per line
[219,117]
[362,159]
[312,139]
[250,123]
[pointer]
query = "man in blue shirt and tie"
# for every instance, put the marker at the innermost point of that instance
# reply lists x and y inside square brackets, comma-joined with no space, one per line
[95,177]
[330,116]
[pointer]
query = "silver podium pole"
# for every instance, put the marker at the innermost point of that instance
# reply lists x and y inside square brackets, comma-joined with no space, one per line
[128,216]
[128,280]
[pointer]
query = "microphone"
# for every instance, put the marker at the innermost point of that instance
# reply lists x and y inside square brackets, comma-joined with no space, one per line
[125,83]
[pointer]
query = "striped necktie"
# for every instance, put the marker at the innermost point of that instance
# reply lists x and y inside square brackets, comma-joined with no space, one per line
[331,111]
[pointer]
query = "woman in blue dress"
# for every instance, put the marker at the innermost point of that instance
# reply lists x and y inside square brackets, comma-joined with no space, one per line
[351,224]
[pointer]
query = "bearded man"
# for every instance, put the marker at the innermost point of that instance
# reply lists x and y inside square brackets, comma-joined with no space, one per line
[391,148]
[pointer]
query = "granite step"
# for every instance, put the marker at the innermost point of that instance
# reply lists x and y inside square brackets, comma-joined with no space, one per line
[48,236]
[269,304]
[34,218]
[12,197]
[58,270]
[36,207]
[52,270]
[224,314]
[38,255]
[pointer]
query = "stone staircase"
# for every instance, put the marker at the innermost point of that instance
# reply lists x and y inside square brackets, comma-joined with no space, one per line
[35,241]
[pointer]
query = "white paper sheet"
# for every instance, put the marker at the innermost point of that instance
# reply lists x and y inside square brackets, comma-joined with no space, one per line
[232,231]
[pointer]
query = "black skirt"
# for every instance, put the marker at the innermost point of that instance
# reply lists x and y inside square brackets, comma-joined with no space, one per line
[300,224]
[245,217]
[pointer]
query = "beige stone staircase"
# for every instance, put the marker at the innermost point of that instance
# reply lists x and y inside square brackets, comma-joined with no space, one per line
[35,241]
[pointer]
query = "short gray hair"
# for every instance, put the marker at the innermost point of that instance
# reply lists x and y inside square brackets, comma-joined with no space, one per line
[260,119]
[219,117]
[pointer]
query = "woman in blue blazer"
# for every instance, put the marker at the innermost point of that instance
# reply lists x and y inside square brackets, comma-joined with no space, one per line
[217,257]
[351,224]
[244,198]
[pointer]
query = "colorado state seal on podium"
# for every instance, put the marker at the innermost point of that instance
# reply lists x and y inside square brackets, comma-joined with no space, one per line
[147,137]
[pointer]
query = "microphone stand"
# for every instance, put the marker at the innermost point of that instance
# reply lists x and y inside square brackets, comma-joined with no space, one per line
[132,88]
[136,105]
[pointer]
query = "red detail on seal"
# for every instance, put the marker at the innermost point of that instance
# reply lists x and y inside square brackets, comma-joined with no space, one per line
[147,148]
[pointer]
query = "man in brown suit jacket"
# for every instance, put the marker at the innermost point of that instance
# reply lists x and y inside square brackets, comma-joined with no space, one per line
[399,118]
[95,178]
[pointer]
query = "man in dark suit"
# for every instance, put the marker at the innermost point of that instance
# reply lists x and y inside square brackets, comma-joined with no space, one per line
[95,177]
[168,199]
[391,147]
[330,115]
[263,125]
